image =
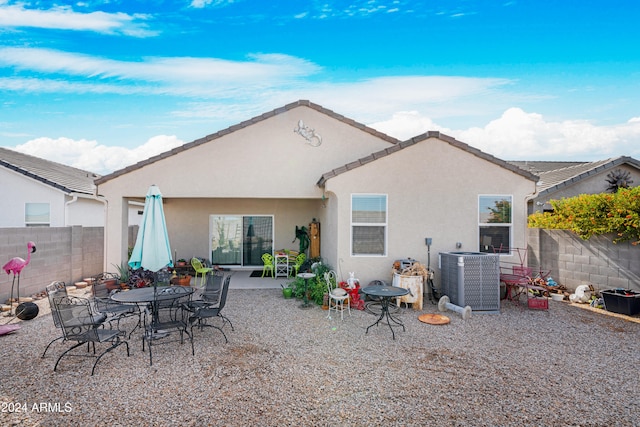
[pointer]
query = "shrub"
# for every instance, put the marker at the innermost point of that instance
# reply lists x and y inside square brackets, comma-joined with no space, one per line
[595,214]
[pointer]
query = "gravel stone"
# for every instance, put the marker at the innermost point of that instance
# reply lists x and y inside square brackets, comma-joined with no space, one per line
[285,366]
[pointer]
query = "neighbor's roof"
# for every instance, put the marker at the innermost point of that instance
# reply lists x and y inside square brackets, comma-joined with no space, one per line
[554,179]
[247,123]
[431,134]
[62,177]
[537,167]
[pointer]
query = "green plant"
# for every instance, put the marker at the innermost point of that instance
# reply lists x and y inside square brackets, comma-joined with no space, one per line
[297,284]
[124,272]
[316,286]
[595,214]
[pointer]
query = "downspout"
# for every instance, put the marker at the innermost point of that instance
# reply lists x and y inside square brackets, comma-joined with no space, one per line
[97,198]
[528,197]
[74,199]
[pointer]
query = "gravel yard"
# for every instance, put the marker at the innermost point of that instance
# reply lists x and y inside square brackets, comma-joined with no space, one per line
[286,366]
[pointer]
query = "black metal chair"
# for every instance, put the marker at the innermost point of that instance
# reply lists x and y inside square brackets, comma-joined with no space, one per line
[209,294]
[79,323]
[166,316]
[59,289]
[104,285]
[199,315]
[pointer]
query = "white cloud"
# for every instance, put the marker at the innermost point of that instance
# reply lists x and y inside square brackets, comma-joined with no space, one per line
[407,124]
[199,4]
[176,75]
[518,135]
[93,157]
[65,18]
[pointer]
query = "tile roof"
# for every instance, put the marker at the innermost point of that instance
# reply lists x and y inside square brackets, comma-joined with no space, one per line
[245,124]
[62,177]
[571,172]
[431,134]
[536,167]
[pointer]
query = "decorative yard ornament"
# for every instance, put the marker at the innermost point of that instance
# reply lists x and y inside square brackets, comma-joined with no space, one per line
[618,179]
[313,138]
[15,266]
[303,235]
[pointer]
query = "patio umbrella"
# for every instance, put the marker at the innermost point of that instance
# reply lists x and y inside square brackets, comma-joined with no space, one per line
[152,250]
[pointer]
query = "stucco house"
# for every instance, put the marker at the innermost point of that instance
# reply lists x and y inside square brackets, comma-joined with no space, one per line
[36,192]
[237,193]
[560,180]
[40,193]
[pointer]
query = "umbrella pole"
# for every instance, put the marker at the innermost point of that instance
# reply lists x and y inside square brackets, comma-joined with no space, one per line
[154,306]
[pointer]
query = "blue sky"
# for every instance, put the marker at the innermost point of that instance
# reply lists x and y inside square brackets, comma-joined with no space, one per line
[103,84]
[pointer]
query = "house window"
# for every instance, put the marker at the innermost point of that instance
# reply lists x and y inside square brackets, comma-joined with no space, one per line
[495,223]
[37,214]
[368,224]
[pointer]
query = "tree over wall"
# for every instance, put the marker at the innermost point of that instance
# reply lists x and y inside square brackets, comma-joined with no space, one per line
[595,214]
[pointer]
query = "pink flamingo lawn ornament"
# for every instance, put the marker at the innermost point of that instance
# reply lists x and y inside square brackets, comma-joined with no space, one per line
[15,266]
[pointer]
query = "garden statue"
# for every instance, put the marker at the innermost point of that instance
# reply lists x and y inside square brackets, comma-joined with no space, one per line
[303,236]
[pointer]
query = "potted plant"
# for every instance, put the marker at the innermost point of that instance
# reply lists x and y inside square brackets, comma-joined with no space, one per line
[125,274]
[181,280]
[297,286]
[181,262]
[287,292]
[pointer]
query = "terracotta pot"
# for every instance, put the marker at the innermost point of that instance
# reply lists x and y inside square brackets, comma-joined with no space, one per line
[181,281]
[111,284]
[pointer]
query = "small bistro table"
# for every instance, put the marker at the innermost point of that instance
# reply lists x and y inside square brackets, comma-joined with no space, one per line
[385,293]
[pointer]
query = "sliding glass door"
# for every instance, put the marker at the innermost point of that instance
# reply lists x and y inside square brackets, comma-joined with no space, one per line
[240,239]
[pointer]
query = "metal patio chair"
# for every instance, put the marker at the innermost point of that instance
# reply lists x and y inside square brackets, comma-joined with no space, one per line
[104,285]
[79,323]
[200,315]
[166,317]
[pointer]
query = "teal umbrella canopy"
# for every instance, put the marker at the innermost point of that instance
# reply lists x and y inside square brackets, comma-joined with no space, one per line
[152,250]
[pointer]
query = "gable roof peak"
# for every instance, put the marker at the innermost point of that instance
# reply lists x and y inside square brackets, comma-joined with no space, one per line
[423,137]
[264,116]
[554,179]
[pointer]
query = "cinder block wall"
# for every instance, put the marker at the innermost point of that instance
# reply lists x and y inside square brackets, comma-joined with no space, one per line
[573,261]
[68,254]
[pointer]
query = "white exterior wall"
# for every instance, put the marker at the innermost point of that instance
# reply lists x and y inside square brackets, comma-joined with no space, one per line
[16,190]
[432,190]
[265,160]
[87,212]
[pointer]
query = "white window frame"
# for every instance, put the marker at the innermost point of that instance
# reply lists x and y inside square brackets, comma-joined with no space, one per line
[32,220]
[489,248]
[384,224]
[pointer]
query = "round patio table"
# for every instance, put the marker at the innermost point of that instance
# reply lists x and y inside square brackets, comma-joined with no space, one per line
[152,295]
[386,293]
[148,294]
